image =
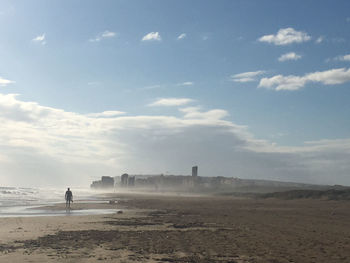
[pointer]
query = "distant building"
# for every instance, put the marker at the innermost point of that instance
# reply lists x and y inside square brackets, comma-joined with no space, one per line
[160,181]
[96,184]
[195,171]
[124,180]
[131,181]
[105,182]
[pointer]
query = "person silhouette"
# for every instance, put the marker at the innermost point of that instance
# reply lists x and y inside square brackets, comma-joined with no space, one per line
[69,198]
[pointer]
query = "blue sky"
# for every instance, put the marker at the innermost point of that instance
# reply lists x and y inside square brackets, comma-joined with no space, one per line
[272,75]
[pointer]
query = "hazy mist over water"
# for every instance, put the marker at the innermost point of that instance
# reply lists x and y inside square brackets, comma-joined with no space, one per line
[18,196]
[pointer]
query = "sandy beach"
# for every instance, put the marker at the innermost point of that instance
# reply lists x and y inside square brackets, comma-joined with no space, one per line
[154,228]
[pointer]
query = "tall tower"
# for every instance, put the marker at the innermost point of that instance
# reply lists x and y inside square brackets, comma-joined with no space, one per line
[195,171]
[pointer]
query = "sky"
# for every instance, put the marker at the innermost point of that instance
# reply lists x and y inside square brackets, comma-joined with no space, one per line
[254,89]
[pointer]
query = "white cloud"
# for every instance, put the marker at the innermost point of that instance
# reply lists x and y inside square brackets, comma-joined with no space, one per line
[330,77]
[107,34]
[152,36]
[5,82]
[186,83]
[280,82]
[54,147]
[196,113]
[247,76]
[156,86]
[286,36]
[40,39]
[289,56]
[181,36]
[343,58]
[106,114]
[291,82]
[319,40]
[171,102]
[103,35]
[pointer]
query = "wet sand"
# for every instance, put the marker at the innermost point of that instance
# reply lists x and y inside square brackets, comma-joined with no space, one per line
[185,229]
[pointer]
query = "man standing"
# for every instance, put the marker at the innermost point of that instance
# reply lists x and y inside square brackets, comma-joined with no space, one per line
[69,198]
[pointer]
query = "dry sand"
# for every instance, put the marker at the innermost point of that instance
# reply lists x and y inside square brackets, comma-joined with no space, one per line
[185,229]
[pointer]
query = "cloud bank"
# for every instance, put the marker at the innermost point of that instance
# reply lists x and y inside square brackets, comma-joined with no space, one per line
[47,146]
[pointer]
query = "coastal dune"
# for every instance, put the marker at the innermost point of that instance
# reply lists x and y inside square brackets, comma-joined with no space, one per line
[147,228]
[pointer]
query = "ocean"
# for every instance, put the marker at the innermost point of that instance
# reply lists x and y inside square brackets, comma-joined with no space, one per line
[20,201]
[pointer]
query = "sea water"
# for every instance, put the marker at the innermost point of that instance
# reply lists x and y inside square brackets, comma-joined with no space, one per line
[20,202]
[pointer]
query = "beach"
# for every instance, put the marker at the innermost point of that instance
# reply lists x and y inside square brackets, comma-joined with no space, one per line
[180,228]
